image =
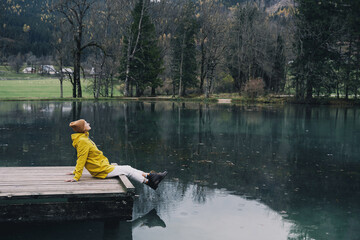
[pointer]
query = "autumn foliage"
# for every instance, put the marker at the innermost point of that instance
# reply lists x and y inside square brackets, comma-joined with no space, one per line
[254,88]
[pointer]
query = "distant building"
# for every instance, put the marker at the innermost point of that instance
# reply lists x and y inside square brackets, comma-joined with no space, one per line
[49,69]
[29,70]
[92,71]
[67,70]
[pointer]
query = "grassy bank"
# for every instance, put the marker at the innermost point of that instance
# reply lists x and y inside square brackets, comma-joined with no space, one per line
[49,89]
[39,88]
[36,87]
[33,86]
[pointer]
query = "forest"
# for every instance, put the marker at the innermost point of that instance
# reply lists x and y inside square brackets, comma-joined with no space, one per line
[302,48]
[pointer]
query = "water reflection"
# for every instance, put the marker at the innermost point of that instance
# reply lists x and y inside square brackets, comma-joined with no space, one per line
[102,229]
[124,230]
[222,215]
[151,219]
[300,163]
[217,215]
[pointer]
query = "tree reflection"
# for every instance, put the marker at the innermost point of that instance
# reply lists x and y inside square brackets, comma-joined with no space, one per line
[76,110]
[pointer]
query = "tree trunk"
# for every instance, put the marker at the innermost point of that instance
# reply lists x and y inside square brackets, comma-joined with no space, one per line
[173,88]
[202,67]
[181,66]
[112,86]
[131,89]
[61,89]
[183,91]
[209,81]
[77,74]
[348,70]
[77,63]
[239,64]
[98,84]
[95,85]
[139,91]
[207,88]
[355,92]
[347,92]
[61,79]
[127,71]
[309,89]
[74,87]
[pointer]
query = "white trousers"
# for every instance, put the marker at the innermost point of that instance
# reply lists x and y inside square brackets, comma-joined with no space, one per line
[128,171]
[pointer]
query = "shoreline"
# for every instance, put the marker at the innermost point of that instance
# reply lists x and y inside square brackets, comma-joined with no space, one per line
[221,100]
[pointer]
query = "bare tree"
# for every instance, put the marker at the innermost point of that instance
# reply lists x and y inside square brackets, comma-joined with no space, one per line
[16,62]
[211,37]
[252,46]
[62,45]
[109,28]
[76,13]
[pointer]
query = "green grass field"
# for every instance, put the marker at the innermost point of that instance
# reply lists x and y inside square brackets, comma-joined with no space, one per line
[34,88]
[21,85]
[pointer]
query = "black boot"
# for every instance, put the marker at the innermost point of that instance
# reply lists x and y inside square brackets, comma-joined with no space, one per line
[155,179]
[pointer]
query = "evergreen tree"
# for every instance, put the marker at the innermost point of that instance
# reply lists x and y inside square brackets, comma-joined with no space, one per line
[349,39]
[146,64]
[184,50]
[313,40]
[22,30]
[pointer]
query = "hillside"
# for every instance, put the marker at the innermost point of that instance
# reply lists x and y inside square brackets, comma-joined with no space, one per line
[21,28]
[22,31]
[269,5]
[278,5]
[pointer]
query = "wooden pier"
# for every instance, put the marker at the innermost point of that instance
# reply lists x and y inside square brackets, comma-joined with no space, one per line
[41,194]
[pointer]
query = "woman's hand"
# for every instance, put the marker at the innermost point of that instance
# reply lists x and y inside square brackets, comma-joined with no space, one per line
[70,173]
[70,180]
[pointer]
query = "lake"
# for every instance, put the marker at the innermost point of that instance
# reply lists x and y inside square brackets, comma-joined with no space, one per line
[235,172]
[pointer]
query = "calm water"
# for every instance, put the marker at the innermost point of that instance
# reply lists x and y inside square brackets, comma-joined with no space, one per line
[235,172]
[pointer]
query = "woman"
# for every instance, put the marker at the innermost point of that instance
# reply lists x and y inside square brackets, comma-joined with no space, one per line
[90,157]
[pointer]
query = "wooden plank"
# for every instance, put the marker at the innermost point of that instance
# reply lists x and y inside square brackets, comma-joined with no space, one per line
[125,181]
[39,173]
[127,184]
[61,187]
[35,180]
[41,193]
[44,181]
[39,170]
[27,169]
[75,185]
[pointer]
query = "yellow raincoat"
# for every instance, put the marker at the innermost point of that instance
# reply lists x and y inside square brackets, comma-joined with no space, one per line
[90,156]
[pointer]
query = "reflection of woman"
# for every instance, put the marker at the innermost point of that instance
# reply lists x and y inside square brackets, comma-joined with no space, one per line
[90,157]
[151,219]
